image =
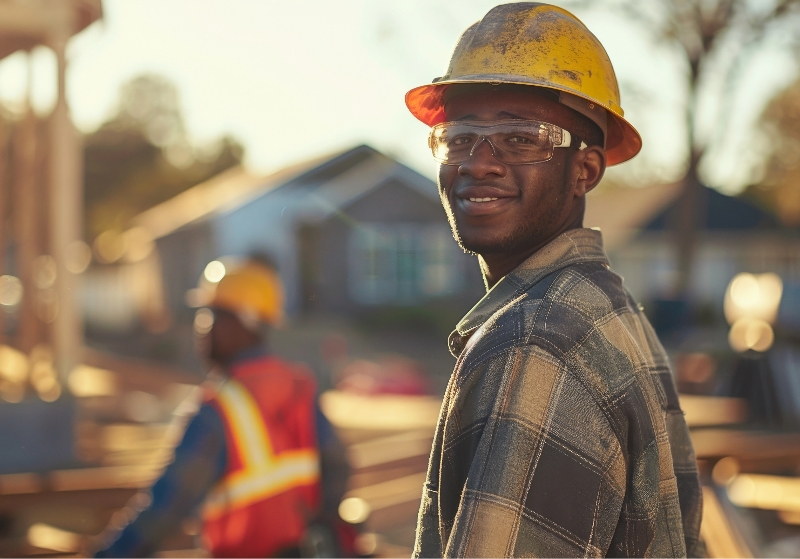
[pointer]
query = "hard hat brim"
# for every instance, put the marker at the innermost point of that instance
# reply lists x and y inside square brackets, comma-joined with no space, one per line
[426,103]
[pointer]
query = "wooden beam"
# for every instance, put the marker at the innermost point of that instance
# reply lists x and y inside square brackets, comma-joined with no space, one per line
[25,223]
[5,195]
[65,216]
[23,25]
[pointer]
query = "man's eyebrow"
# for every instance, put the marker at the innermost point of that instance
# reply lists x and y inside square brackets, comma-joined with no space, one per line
[505,114]
[512,116]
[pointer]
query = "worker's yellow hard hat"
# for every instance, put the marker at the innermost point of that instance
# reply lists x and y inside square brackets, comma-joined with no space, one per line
[536,44]
[250,290]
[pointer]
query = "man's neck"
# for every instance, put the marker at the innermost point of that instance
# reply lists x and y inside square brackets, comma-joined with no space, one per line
[247,353]
[496,266]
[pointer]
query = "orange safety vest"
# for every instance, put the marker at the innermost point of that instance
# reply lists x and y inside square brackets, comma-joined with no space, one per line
[271,485]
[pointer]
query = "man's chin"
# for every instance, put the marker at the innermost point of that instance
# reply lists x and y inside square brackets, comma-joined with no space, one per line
[484,246]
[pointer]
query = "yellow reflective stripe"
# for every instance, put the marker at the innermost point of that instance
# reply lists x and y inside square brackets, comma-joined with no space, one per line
[247,487]
[246,423]
[263,474]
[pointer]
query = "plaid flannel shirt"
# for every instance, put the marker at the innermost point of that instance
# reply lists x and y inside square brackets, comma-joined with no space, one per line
[560,433]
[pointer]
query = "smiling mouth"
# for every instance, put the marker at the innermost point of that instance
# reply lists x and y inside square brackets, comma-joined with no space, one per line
[483,206]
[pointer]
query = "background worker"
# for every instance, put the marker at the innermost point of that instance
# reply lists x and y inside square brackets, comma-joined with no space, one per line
[561,433]
[251,455]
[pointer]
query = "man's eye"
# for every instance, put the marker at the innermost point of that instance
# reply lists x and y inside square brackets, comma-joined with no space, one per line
[520,140]
[460,141]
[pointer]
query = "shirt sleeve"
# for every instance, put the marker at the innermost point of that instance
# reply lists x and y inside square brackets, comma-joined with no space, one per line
[334,466]
[199,463]
[548,474]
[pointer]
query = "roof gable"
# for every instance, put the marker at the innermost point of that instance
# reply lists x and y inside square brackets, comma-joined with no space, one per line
[621,213]
[315,188]
[720,212]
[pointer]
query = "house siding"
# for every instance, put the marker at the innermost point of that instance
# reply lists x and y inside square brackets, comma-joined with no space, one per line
[392,203]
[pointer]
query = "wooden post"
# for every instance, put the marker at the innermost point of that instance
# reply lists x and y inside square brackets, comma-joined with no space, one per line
[66,209]
[5,193]
[25,222]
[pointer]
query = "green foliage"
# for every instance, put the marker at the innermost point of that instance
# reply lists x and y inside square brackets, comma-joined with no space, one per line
[142,156]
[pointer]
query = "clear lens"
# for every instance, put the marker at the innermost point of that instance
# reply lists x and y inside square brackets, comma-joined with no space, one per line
[512,141]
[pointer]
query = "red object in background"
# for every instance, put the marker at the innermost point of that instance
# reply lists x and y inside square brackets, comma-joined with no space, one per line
[390,375]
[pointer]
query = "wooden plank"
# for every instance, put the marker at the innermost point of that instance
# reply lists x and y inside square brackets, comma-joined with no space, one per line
[718,443]
[381,412]
[713,410]
[719,535]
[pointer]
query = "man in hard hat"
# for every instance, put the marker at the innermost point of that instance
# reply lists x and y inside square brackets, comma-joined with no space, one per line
[560,433]
[251,455]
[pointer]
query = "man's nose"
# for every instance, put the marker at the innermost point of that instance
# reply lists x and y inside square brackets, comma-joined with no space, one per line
[482,161]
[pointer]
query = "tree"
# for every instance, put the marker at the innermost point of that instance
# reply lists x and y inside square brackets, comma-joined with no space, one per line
[713,37]
[779,190]
[142,156]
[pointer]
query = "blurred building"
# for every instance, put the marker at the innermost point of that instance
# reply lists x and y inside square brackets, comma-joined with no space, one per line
[348,233]
[734,236]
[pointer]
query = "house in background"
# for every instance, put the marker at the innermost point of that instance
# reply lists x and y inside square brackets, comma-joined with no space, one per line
[359,232]
[347,233]
[735,236]
[354,235]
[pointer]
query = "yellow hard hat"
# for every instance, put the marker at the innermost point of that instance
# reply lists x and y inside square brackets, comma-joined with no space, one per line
[530,43]
[250,290]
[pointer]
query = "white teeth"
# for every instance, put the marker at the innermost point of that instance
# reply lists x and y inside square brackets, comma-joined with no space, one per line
[482,199]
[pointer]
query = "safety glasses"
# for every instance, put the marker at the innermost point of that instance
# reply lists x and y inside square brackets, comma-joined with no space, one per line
[514,142]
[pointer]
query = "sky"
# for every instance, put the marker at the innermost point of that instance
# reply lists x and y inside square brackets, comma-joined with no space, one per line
[294,80]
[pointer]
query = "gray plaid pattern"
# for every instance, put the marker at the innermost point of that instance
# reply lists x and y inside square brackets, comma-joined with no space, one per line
[560,433]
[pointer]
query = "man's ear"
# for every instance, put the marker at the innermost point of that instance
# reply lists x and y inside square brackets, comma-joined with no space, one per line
[591,165]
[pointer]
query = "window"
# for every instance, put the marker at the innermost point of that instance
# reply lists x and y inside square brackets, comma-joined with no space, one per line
[403,264]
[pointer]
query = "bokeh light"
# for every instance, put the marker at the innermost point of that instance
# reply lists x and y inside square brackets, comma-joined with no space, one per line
[725,471]
[354,510]
[203,321]
[751,333]
[214,271]
[79,256]
[109,246]
[85,381]
[753,296]
[45,271]
[138,244]
[11,291]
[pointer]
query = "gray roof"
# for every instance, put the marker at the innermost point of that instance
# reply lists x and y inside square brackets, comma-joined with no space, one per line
[315,188]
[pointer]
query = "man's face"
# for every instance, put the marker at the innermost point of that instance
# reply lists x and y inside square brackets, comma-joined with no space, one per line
[534,202]
[225,338]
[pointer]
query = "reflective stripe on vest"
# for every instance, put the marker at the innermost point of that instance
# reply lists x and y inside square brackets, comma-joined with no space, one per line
[263,474]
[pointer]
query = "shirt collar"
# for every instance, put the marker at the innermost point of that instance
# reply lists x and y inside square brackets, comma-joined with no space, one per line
[571,247]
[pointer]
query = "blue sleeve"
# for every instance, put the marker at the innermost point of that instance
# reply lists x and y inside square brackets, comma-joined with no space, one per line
[325,433]
[199,463]
[334,466]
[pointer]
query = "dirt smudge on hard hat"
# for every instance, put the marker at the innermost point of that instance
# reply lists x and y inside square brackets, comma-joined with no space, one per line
[501,28]
[567,74]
